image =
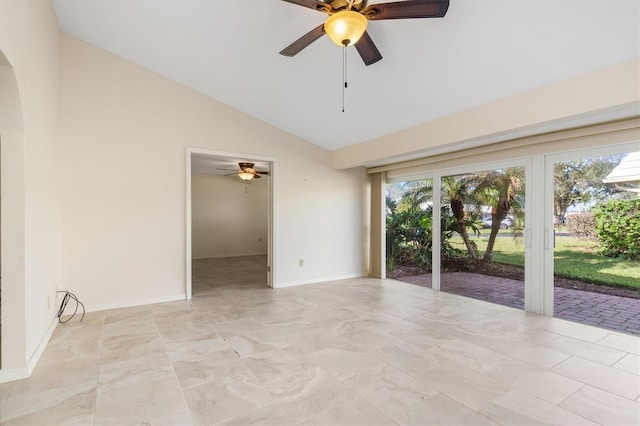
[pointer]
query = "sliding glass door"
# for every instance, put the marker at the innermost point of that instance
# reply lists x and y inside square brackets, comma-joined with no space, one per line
[482,250]
[592,257]
[554,234]
[471,241]
[409,218]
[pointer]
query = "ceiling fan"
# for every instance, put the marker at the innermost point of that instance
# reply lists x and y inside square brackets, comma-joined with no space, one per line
[347,22]
[247,171]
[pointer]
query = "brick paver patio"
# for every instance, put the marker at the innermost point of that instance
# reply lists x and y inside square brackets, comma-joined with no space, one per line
[610,312]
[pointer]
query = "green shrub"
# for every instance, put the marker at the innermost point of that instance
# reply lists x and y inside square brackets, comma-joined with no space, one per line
[618,227]
[408,237]
[582,226]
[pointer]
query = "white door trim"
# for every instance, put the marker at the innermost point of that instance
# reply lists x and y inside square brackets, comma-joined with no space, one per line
[271,244]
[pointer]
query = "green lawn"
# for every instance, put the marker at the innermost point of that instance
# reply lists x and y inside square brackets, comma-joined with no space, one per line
[574,258]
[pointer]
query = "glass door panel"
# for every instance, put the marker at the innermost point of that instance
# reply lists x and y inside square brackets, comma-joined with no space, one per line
[482,223]
[596,259]
[409,207]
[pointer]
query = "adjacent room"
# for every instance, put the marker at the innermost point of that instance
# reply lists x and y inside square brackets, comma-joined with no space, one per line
[330,212]
[230,224]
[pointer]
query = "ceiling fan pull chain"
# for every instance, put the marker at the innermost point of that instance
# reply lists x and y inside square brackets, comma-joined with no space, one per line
[344,74]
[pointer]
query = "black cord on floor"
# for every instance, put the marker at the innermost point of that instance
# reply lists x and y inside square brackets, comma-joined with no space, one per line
[65,299]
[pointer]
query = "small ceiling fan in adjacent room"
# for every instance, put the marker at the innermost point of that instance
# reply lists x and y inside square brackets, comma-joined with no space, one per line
[247,171]
[347,22]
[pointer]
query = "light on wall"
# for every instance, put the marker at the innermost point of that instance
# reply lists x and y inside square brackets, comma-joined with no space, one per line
[346,27]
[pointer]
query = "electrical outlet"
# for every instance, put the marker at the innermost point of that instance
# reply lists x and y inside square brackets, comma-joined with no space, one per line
[301,262]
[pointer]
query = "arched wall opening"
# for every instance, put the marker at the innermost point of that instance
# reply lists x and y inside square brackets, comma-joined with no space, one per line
[12,227]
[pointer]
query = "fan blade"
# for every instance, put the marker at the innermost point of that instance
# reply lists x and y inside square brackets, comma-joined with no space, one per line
[407,9]
[312,4]
[257,176]
[294,48]
[262,173]
[368,50]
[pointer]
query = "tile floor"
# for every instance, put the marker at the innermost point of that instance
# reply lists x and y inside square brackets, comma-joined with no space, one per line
[354,352]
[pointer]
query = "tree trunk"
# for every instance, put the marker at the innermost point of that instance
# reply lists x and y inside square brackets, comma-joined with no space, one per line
[458,211]
[495,228]
[497,216]
[561,212]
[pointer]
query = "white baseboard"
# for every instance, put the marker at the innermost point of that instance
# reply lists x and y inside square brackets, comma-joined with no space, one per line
[13,374]
[317,280]
[35,357]
[19,373]
[139,302]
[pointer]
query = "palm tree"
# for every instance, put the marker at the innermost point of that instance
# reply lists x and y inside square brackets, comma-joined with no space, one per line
[499,189]
[417,193]
[456,190]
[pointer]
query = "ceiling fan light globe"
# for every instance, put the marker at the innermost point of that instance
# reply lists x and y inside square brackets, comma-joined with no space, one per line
[244,175]
[346,27]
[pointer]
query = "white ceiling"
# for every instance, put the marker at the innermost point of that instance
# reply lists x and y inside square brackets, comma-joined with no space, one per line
[481,51]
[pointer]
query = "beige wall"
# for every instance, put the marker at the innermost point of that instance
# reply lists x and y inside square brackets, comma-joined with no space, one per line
[124,133]
[229,217]
[106,139]
[613,92]
[29,37]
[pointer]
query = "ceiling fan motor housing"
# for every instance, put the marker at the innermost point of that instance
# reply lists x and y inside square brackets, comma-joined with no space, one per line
[339,5]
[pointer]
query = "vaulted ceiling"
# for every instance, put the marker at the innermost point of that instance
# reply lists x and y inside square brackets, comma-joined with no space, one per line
[479,52]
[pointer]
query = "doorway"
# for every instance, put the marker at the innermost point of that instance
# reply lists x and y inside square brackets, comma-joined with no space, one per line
[12,237]
[230,243]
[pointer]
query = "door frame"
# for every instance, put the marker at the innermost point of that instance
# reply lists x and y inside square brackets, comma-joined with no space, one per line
[271,220]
